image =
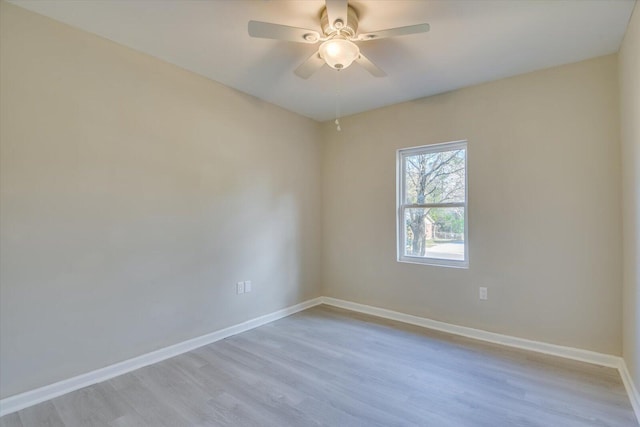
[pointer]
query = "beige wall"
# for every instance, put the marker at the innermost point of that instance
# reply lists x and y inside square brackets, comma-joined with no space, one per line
[544,207]
[134,195]
[630,115]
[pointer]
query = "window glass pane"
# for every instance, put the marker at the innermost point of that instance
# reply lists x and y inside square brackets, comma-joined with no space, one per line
[434,233]
[435,177]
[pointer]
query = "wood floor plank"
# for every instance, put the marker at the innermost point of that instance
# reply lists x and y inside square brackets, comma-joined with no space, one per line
[331,367]
[11,420]
[43,414]
[146,404]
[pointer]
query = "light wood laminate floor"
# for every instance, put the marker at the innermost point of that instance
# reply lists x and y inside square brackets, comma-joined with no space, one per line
[332,367]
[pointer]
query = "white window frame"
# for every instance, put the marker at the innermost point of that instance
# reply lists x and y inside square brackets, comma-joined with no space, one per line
[402,206]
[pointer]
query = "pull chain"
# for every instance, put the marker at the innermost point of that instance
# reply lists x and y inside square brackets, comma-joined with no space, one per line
[337,122]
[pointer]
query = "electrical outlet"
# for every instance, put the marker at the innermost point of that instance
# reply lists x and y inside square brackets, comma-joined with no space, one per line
[247,286]
[483,293]
[240,288]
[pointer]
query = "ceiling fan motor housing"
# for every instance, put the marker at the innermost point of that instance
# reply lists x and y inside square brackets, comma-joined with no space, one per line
[349,28]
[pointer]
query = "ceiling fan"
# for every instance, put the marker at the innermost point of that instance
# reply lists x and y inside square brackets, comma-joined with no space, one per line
[339,23]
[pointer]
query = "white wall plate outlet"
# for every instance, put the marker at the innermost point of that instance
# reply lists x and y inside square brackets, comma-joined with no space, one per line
[240,288]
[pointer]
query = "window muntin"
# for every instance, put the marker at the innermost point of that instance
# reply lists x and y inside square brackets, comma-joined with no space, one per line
[432,204]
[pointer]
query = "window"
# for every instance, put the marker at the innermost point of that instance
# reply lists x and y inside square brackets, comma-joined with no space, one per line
[432,205]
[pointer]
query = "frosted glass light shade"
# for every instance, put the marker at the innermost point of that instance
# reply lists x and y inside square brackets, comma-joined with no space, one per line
[339,53]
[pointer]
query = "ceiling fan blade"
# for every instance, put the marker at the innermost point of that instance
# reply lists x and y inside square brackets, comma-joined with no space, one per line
[266,30]
[370,66]
[310,66]
[337,10]
[392,32]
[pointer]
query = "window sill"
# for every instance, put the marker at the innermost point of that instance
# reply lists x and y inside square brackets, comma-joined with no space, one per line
[435,262]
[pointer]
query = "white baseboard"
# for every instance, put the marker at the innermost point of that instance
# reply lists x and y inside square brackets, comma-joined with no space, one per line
[521,343]
[20,401]
[632,391]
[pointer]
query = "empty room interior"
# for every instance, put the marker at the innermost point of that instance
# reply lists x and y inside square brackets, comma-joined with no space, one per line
[306,213]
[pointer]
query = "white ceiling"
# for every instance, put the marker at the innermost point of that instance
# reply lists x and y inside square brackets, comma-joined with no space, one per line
[471,41]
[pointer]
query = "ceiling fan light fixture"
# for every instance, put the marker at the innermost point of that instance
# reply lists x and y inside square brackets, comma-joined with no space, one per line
[339,53]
